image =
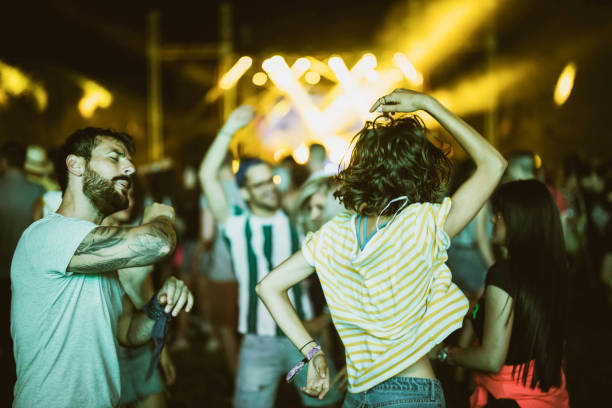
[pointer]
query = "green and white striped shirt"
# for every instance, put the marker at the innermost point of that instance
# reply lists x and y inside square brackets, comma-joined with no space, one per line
[257,245]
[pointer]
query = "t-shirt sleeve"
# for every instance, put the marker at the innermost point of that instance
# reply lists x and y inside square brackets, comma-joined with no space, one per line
[54,243]
[309,247]
[440,214]
[499,275]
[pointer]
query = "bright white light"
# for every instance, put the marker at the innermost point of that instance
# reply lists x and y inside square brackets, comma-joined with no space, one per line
[401,61]
[301,154]
[312,77]
[565,84]
[229,79]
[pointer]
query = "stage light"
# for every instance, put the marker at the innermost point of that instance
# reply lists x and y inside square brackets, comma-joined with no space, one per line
[565,83]
[14,82]
[401,61]
[229,79]
[372,76]
[235,166]
[260,78]
[284,79]
[94,96]
[301,154]
[537,161]
[312,77]
[276,179]
[348,82]
[369,60]
[300,66]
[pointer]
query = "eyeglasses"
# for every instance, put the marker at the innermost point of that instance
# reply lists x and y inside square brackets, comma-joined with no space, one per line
[260,184]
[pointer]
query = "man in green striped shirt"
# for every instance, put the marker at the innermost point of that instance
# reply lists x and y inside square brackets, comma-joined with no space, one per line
[259,240]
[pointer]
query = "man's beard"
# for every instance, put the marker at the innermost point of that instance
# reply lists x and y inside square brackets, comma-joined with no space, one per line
[102,193]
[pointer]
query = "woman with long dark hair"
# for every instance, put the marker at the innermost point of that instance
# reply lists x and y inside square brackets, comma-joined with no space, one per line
[520,322]
[381,262]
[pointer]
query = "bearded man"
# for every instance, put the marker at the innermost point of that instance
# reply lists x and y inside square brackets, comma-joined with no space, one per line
[69,311]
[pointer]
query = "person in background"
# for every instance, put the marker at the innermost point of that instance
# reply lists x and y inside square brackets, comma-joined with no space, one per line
[16,203]
[382,262]
[521,321]
[137,389]
[259,239]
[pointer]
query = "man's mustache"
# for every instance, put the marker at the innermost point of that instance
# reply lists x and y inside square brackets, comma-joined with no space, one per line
[124,178]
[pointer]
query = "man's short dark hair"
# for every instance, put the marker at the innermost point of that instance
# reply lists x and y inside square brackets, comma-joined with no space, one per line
[81,143]
[245,164]
[15,153]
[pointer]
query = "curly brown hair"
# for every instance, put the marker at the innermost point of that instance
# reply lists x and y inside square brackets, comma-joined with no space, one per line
[392,157]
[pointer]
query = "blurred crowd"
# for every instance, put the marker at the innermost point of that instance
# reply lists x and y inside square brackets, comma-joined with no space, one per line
[581,187]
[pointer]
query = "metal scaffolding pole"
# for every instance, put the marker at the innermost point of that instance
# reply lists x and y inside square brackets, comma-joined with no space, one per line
[154,99]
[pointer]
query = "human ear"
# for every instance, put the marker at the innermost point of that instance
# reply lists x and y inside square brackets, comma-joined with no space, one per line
[75,164]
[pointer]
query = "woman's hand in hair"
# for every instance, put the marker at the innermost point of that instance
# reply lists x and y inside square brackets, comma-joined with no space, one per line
[401,100]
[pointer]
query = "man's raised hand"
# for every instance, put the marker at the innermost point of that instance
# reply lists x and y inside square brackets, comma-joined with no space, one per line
[238,119]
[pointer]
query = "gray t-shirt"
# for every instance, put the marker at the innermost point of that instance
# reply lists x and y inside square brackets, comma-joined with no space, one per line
[63,325]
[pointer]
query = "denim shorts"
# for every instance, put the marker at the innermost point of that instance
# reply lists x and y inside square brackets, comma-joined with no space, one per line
[407,392]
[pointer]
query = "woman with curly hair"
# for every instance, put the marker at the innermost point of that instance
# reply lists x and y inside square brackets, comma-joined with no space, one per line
[381,262]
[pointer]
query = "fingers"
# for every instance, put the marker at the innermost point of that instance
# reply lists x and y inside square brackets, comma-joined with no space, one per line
[168,290]
[321,365]
[386,103]
[175,295]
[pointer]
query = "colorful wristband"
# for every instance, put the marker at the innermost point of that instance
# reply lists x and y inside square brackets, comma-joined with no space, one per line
[296,368]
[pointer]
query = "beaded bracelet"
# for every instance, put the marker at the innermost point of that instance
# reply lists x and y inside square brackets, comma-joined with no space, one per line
[300,364]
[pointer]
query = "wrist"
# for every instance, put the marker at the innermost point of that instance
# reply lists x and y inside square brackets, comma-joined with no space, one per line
[429,103]
[225,132]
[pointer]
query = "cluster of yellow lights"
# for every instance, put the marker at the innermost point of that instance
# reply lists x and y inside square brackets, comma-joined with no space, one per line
[94,96]
[565,83]
[229,79]
[13,82]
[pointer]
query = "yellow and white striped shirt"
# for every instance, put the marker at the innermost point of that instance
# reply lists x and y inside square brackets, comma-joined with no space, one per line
[394,300]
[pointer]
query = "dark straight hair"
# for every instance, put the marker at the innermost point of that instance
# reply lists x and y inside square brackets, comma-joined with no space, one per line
[539,271]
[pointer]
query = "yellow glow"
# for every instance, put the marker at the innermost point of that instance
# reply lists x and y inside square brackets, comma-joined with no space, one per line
[439,30]
[284,79]
[279,154]
[260,78]
[229,79]
[565,83]
[276,179]
[537,161]
[300,66]
[301,154]
[235,166]
[13,82]
[312,77]
[94,97]
[350,85]
[372,76]
[369,60]
[478,92]
[401,61]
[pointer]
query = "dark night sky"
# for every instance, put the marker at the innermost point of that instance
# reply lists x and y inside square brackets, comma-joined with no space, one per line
[105,41]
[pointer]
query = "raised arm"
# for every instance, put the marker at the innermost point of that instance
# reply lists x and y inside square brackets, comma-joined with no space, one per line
[490,164]
[209,169]
[107,249]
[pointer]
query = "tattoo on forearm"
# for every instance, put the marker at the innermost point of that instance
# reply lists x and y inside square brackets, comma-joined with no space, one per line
[111,248]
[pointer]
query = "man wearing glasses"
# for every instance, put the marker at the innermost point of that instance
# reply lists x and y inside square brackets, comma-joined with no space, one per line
[260,239]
